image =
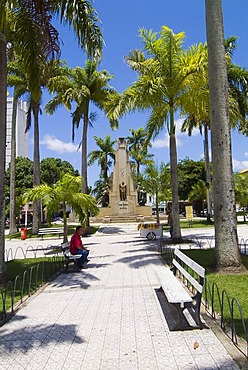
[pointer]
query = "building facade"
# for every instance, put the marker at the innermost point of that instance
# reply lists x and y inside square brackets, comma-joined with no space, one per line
[21,137]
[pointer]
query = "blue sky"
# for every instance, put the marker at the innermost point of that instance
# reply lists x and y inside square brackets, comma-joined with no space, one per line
[121,21]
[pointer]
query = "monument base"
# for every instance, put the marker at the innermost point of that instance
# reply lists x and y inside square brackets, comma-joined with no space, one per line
[142,213]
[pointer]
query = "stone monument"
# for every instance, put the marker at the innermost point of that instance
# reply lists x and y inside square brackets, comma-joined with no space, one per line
[123,196]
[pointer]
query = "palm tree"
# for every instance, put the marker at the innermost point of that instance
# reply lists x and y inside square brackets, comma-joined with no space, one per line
[68,192]
[12,201]
[82,86]
[157,181]
[226,240]
[138,149]
[106,150]
[164,80]
[21,79]
[196,108]
[79,14]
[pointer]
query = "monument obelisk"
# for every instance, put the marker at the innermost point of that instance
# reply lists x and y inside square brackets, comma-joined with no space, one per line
[123,197]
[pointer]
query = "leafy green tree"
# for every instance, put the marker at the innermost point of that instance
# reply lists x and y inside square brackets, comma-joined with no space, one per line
[23,181]
[103,155]
[157,181]
[138,148]
[23,174]
[189,173]
[68,90]
[241,190]
[68,192]
[226,239]
[52,169]
[198,193]
[165,77]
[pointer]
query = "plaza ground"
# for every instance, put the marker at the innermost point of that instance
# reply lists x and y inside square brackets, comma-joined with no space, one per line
[108,316]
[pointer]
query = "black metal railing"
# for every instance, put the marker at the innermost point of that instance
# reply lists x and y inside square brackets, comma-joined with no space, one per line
[16,291]
[225,311]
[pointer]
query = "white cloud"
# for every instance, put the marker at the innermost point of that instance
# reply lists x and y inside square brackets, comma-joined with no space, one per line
[52,143]
[240,165]
[164,141]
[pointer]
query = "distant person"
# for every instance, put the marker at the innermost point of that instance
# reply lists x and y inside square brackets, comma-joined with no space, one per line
[76,247]
[170,222]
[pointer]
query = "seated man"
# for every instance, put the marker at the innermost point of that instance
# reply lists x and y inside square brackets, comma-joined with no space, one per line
[76,247]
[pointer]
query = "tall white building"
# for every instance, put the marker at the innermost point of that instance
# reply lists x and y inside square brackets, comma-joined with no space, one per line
[21,137]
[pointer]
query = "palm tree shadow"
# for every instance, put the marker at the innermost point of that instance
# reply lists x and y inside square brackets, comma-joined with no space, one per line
[139,260]
[40,336]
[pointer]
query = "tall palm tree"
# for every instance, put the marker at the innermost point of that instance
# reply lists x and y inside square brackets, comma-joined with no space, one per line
[20,78]
[101,155]
[226,240]
[68,192]
[79,14]
[82,86]
[196,108]
[137,148]
[157,181]
[165,76]
[12,200]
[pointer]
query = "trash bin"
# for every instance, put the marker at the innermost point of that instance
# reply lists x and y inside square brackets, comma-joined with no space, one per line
[23,233]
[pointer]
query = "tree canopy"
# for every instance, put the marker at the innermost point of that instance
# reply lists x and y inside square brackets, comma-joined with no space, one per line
[189,173]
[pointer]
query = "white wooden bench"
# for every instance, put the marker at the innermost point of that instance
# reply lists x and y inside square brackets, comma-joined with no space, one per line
[192,276]
[70,258]
[51,230]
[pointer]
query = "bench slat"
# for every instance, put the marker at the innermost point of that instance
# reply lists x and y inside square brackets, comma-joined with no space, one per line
[51,231]
[188,276]
[192,264]
[173,288]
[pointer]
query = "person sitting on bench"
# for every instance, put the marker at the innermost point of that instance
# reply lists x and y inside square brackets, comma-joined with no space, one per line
[76,246]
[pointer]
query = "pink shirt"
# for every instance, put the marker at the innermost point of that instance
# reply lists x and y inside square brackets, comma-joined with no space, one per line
[75,243]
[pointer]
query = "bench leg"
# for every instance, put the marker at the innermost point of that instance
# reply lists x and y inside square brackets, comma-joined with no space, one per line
[76,265]
[66,265]
[197,314]
[180,317]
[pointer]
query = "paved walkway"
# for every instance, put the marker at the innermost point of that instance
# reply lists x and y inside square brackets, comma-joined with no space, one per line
[107,317]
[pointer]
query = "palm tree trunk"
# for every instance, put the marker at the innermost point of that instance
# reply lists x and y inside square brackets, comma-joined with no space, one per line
[174,180]
[84,168]
[36,174]
[105,170]
[12,211]
[3,104]
[65,239]
[157,209]
[226,241]
[84,156]
[208,179]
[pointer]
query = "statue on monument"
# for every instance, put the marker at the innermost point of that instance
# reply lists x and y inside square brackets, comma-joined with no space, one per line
[141,195]
[105,196]
[123,191]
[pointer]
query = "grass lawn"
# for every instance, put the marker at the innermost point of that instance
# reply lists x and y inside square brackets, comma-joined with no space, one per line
[234,285]
[70,232]
[199,223]
[38,271]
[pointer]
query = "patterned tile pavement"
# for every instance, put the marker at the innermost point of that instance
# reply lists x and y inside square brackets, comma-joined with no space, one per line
[107,316]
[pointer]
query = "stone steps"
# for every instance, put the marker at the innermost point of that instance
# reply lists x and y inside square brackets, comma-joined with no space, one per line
[123,219]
